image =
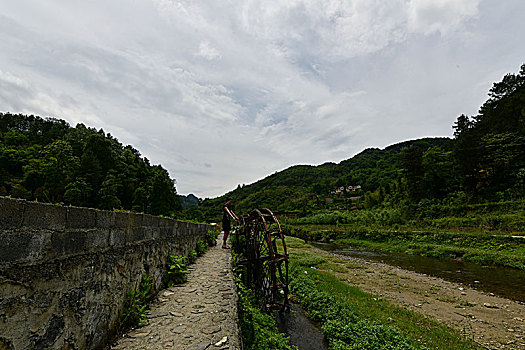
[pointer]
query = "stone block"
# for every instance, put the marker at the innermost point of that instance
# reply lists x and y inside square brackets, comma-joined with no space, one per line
[15,246]
[122,220]
[165,222]
[105,218]
[69,242]
[177,229]
[135,220]
[45,216]
[117,237]
[11,213]
[150,220]
[81,218]
[156,233]
[97,239]
[148,231]
[138,234]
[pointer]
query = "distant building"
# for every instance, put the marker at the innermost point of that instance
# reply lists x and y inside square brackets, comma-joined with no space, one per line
[345,189]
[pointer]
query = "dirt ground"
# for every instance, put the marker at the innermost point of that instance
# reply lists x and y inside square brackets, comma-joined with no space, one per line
[491,321]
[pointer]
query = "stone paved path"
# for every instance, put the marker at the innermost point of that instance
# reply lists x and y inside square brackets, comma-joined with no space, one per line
[200,314]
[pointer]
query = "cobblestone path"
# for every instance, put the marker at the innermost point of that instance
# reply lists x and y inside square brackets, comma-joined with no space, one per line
[199,314]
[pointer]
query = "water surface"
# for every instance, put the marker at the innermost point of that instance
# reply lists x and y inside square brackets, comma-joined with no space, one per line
[502,281]
[303,333]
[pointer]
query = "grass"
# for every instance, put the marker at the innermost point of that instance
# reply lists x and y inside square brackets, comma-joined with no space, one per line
[353,319]
[495,218]
[258,329]
[482,248]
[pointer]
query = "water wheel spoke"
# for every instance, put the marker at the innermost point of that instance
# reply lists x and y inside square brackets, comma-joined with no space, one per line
[263,249]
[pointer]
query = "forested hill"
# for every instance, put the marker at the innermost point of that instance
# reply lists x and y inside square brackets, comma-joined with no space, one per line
[303,187]
[484,161]
[50,161]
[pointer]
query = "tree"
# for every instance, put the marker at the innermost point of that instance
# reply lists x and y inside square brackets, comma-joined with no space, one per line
[107,194]
[439,177]
[412,164]
[163,197]
[59,165]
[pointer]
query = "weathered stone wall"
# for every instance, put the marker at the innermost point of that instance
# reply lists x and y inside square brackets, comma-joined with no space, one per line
[64,271]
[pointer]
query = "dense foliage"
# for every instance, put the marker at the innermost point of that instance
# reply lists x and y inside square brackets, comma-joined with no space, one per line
[50,161]
[258,329]
[485,161]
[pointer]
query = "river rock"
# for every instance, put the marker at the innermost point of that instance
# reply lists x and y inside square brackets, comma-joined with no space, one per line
[178,330]
[203,345]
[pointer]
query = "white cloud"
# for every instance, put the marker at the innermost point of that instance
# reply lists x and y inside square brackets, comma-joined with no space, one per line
[208,52]
[444,16]
[223,93]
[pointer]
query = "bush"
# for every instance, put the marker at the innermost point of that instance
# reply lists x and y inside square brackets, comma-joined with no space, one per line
[201,247]
[175,270]
[135,304]
[211,237]
[258,329]
[192,256]
[364,335]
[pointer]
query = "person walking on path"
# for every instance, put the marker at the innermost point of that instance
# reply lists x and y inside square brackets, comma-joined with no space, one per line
[227,213]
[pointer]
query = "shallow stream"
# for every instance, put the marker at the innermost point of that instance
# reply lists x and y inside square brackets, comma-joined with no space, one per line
[505,282]
[302,332]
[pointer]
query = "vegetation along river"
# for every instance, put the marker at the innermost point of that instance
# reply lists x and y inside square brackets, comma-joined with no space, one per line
[504,282]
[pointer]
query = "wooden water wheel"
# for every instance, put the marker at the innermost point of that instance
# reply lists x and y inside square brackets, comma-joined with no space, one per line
[260,243]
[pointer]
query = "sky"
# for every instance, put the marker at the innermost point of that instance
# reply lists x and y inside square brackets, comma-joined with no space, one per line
[223,93]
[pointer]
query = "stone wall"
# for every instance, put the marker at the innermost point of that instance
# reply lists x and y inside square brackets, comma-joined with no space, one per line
[64,271]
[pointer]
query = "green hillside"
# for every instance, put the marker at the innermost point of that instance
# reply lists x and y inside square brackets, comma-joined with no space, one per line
[485,161]
[302,188]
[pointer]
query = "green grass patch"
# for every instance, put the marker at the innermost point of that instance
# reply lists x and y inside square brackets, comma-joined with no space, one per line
[258,329]
[306,259]
[513,257]
[482,248]
[353,319]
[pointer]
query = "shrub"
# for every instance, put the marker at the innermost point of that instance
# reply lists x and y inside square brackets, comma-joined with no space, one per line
[135,304]
[192,256]
[175,270]
[201,247]
[211,237]
[258,329]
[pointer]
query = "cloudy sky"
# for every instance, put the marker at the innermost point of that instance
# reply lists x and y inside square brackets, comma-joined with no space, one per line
[227,92]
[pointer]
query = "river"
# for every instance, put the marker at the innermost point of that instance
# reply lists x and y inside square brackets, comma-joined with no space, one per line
[505,282]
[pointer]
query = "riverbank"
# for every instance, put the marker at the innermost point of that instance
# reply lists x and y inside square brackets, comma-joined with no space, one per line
[437,313]
[478,247]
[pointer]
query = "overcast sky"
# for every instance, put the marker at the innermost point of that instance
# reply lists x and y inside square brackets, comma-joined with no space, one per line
[227,92]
